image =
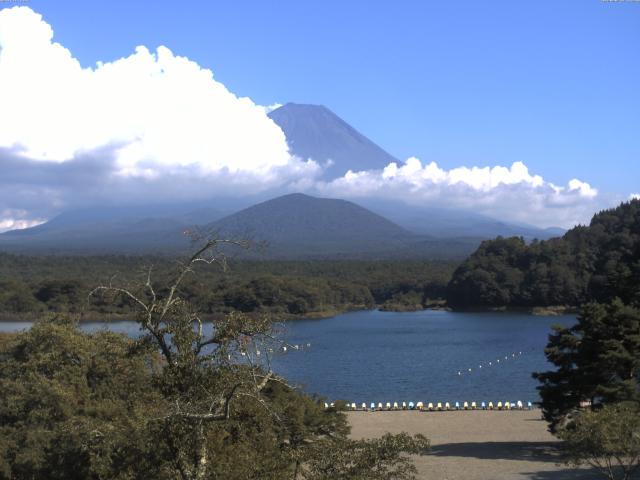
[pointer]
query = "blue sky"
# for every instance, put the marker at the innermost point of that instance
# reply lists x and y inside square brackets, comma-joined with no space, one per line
[552,84]
[525,111]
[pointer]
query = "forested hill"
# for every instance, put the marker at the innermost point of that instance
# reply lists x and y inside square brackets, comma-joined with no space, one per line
[596,262]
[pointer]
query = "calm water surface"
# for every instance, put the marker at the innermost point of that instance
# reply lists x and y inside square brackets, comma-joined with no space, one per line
[386,356]
[373,356]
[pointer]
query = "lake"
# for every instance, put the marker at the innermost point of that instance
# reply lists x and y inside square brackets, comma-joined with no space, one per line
[372,356]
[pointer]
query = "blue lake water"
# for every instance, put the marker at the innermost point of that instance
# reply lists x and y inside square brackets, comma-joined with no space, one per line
[372,356]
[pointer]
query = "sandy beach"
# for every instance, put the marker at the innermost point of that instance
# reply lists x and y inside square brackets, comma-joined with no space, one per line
[476,445]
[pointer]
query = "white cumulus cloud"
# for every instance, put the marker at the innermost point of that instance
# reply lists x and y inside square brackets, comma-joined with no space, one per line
[512,194]
[14,220]
[163,112]
[156,126]
[146,126]
[634,196]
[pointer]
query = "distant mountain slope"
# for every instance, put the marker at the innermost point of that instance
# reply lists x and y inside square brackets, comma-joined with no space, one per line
[132,230]
[314,131]
[293,226]
[596,262]
[300,224]
[451,223]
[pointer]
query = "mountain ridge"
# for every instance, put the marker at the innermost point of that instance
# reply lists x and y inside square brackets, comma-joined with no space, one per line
[297,224]
[314,131]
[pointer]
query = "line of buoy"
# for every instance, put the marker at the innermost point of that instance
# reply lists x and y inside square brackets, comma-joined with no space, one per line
[282,349]
[434,407]
[301,346]
[489,364]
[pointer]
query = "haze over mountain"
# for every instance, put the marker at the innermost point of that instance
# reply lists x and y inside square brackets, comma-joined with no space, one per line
[447,223]
[299,225]
[291,226]
[135,229]
[314,131]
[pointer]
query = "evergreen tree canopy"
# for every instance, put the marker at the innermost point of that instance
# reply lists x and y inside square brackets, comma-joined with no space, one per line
[597,360]
[596,262]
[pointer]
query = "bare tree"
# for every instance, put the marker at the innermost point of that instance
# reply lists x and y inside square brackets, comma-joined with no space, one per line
[207,366]
[213,371]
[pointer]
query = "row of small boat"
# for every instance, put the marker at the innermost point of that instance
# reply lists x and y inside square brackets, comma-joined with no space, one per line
[436,407]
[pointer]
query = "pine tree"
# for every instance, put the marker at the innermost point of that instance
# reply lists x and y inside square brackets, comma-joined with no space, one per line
[597,360]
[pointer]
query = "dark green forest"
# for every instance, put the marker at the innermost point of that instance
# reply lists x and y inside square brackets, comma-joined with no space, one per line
[597,262]
[33,285]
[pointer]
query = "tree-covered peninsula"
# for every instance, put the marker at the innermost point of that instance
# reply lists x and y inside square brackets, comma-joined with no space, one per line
[598,262]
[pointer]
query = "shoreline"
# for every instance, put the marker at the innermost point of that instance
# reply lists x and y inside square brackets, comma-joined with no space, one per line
[88,317]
